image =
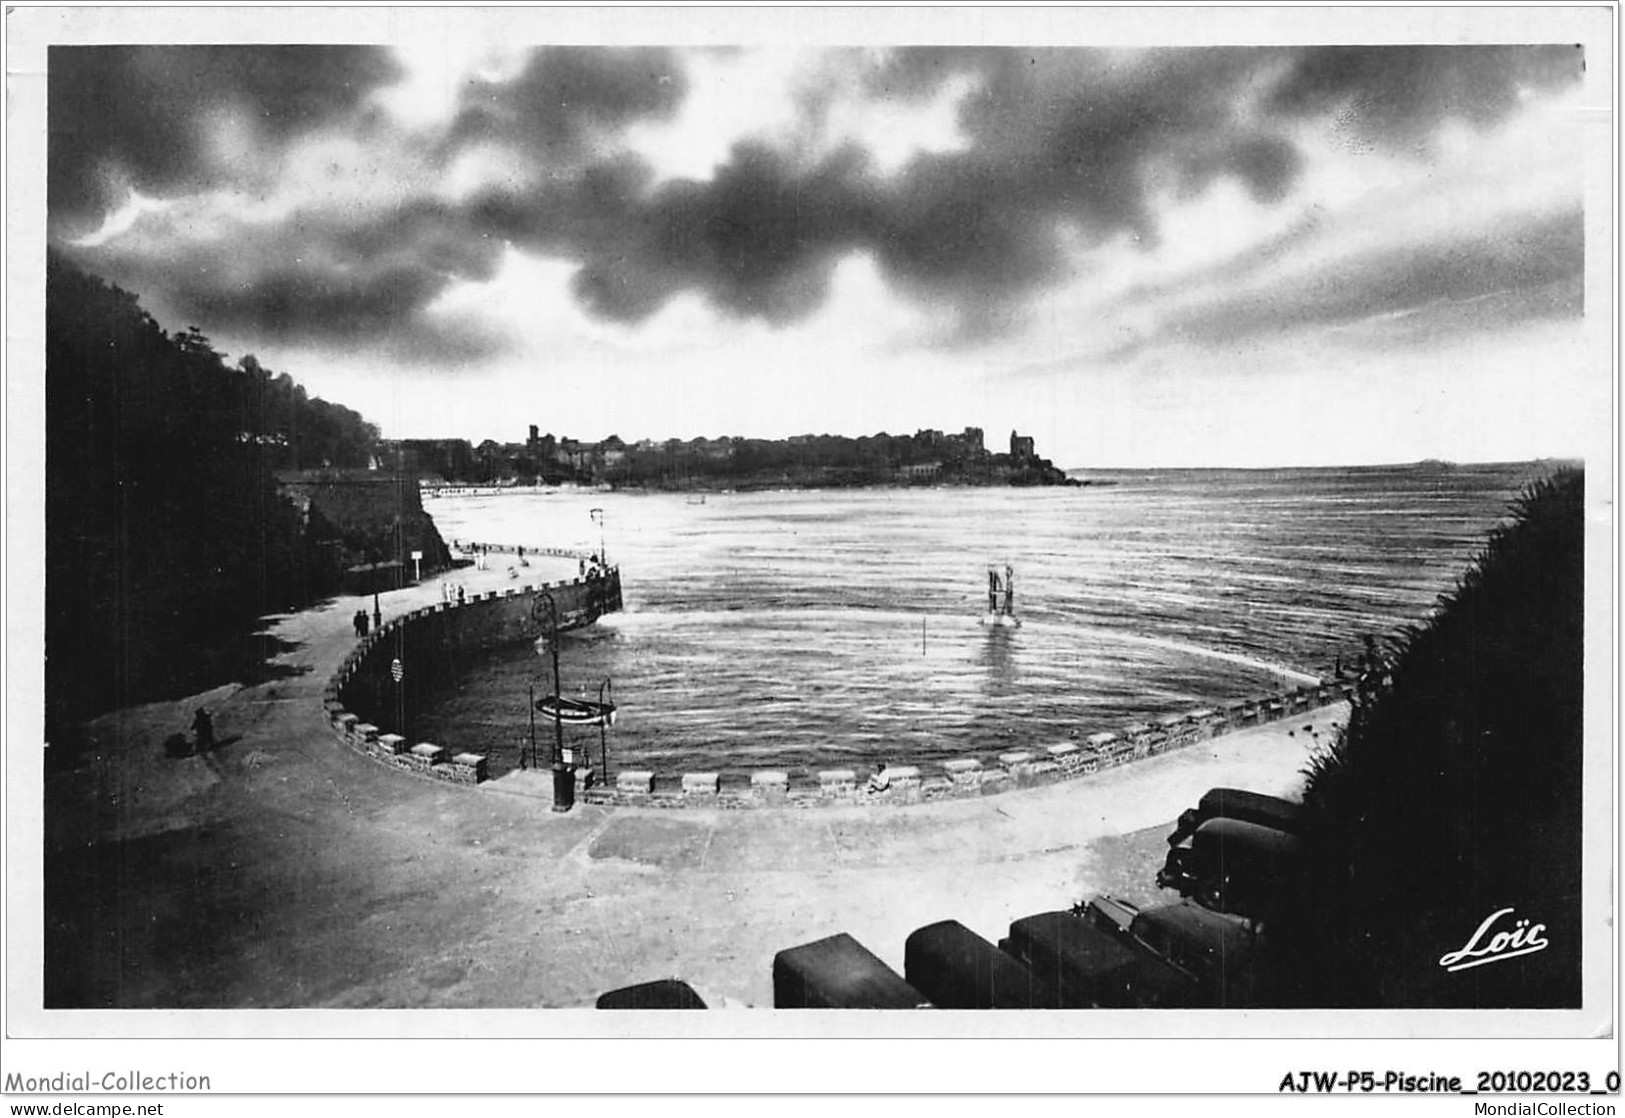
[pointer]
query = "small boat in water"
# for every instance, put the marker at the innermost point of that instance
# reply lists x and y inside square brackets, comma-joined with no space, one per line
[577,712]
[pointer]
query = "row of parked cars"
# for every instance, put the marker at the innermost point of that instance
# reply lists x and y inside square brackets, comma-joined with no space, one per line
[1234,858]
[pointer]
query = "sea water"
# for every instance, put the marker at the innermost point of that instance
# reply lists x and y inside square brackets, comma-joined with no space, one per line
[809,629]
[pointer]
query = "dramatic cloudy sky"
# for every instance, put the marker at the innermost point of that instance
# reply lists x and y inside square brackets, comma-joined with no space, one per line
[1143,256]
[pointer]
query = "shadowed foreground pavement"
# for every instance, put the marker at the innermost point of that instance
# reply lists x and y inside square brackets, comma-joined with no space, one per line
[285,870]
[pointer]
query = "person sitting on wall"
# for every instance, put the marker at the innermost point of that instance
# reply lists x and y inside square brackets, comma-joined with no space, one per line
[880,781]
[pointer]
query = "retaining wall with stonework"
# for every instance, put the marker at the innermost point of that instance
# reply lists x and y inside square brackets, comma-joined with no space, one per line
[366,707]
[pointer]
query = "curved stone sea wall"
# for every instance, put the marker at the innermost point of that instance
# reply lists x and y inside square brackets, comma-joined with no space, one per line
[962,776]
[366,706]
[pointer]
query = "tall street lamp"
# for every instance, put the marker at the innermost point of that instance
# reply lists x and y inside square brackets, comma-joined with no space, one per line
[564,787]
[606,707]
[377,613]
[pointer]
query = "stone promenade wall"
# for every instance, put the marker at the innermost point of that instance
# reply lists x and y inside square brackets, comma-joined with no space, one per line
[963,776]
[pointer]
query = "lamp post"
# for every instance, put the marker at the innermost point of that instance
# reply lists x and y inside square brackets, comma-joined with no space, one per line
[598,518]
[564,789]
[377,613]
[603,723]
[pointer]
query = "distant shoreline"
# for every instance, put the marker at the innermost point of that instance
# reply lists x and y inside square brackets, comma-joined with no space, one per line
[746,486]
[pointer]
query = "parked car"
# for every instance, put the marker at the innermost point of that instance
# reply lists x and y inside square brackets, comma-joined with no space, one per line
[957,969]
[1229,865]
[1217,951]
[1236,803]
[664,993]
[838,972]
[1081,967]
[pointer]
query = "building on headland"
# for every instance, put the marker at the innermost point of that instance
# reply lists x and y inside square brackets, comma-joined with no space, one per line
[953,448]
[920,471]
[1021,448]
[442,458]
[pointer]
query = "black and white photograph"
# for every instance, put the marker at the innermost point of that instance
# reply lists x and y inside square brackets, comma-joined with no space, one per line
[1098,512]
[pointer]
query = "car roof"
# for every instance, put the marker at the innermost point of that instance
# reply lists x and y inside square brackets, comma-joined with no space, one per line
[1210,931]
[1081,942]
[1238,802]
[1251,836]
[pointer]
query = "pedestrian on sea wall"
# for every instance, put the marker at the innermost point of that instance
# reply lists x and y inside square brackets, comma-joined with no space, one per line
[355,622]
[459,593]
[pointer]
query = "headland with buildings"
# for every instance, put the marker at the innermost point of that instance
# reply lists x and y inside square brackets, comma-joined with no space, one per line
[927,457]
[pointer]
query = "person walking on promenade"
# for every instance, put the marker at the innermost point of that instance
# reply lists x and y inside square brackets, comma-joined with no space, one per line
[203,726]
[358,620]
[459,593]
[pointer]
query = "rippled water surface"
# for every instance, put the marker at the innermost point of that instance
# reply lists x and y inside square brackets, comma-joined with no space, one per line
[799,629]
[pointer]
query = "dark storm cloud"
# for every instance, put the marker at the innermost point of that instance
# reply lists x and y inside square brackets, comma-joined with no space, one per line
[1529,270]
[1060,141]
[759,239]
[366,278]
[567,95]
[1062,148]
[1399,94]
[133,112]
[320,280]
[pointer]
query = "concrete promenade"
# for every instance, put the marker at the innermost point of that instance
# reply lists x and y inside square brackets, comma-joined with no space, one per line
[287,870]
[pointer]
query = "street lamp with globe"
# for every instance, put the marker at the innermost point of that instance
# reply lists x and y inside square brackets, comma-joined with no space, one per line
[564,789]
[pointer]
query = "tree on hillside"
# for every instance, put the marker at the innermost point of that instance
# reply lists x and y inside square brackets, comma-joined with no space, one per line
[1455,792]
[164,526]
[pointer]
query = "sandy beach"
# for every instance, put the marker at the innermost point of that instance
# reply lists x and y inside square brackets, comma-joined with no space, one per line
[285,870]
